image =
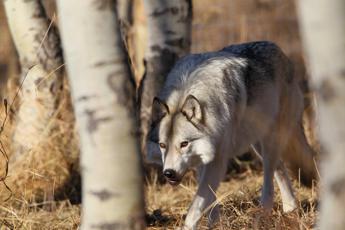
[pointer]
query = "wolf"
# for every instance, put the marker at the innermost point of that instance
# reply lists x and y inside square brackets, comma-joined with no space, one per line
[218,105]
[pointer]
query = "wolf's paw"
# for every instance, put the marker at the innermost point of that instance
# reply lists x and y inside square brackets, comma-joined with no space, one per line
[184,227]
[289,206]
[267,199]
[267,205]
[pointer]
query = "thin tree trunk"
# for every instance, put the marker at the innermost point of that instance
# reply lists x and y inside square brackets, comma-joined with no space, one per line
[169,38]
[136,38]
[103,96]
[125,16]
[323,30]
[38,46]
[125,11]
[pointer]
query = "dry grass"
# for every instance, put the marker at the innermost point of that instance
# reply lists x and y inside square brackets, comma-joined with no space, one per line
[20,214]
[44,182]
[239,201]
[167,206]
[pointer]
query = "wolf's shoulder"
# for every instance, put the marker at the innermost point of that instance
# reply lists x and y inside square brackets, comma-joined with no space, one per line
[259,50]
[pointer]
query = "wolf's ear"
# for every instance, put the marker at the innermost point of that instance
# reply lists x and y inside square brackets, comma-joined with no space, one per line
[159,110]
[192,109]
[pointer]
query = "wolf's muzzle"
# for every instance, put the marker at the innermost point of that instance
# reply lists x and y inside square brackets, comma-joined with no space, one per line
[171,176]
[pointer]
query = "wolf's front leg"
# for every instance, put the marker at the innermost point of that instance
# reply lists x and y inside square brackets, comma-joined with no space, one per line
[203,202]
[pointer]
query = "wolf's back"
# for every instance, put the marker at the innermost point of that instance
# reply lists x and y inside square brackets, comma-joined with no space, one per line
[299,155]
[264,52]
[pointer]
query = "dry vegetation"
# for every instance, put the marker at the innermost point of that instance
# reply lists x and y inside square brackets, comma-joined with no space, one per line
[45,184]
[239,199]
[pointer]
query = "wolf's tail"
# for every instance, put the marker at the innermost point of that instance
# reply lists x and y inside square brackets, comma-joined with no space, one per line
[301,158]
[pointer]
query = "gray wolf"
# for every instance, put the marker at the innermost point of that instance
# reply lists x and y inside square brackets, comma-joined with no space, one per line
[218,105]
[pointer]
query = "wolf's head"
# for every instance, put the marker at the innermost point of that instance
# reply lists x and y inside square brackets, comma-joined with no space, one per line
[179,136]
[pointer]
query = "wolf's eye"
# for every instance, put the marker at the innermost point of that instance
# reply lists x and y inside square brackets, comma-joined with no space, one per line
[162,145]
[184,144]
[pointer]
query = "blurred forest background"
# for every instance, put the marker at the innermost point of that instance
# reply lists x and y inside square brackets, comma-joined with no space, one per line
[215,24]
[46,196]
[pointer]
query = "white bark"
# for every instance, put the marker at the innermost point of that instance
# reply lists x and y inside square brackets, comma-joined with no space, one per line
[323,30]
[102,93]
[169,38]
[40,56]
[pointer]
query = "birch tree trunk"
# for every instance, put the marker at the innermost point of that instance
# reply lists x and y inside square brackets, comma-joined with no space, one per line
[103,97]
[323,30]
[169,38]
[38,46]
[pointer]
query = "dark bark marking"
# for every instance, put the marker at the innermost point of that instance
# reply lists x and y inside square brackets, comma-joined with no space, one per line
[93,122]
[49,56]
[123,86]
[342,74]
[105,4]
[169,32]
[104,194]
[326,90]
[180,42]
[39,10]
[156,48]
[85,98]
[172,10]
[186,17]
[25,64]
[55,88]
[338,187]
[110,62]
[50,53]
[38,81]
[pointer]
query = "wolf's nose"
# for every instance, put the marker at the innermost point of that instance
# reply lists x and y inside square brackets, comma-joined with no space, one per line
[169,173]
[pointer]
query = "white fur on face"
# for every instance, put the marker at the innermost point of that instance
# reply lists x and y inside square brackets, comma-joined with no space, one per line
[177,129]
[204,148]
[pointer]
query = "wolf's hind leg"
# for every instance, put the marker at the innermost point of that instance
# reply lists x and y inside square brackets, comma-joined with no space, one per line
[282,178]
[270,155]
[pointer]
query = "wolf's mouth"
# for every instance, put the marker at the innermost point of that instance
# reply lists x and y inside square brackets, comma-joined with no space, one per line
[173,177]
[174,182]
